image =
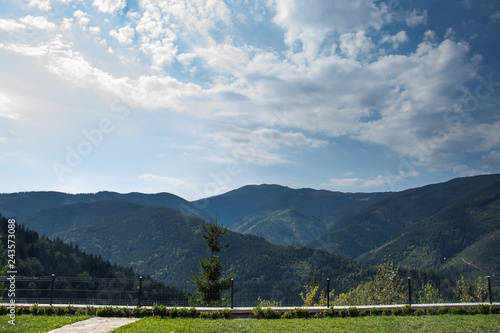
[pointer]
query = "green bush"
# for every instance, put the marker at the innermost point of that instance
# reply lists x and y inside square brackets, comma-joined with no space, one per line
[407,310]
[204,314]
[442,310]
[431,311]
[386,312]
[160,310]
[192,312]
[3,310]
[374,312]
[226,313]
[288,314]
[494,309]
[343,313]
[139,313]
[329,312]
[353,312]
[483,309]
[182,312]
[396,311]
[458,311]
[19,310]
[301,313]
[70,310]
[215,315]
[472,310]
[34,309]
[48,311]
[419,312]
[174,312]
[60,311]
[81,312]
[91,311]
[363,313]
[271,314]
[107,311]
[258,312]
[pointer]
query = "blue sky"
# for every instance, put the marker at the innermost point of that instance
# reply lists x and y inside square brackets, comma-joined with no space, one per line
[200,97]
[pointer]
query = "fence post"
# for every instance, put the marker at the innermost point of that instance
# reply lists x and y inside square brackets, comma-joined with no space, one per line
[139,290]
[489,289]
[409,290]
[232,293]
[327,292]
[52,290]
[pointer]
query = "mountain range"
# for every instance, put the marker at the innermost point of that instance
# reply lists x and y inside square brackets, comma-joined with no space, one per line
[280,233]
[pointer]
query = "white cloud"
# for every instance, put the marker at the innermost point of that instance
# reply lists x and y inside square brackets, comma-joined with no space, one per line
[256,146]
[378,181]
[83,18]
[355,44]
[416,17]
[109,6]
[43,5]
[395,40]
[491,160]
[95,30]
[10,25]
[124,35]
[176,182]
[495,16]
[5,109]
[38,22]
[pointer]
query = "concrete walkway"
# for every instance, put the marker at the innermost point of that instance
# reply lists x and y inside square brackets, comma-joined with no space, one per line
[95,325]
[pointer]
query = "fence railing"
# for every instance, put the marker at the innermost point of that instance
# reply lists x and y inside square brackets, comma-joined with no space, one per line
[143,292]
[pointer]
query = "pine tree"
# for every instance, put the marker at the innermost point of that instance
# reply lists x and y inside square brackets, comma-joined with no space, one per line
[209,283]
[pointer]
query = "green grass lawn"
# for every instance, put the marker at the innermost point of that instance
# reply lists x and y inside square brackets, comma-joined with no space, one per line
[36,324]
[431,324]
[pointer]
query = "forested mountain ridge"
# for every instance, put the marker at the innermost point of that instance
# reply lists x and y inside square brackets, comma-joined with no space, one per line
[427,227]
[166,245]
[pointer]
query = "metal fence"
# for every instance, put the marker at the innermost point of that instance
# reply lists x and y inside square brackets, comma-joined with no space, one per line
[146,292]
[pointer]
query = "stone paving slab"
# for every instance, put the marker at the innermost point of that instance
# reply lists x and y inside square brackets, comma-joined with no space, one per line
[95,325]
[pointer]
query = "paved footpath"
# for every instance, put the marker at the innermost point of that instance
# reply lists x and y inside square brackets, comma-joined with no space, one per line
[95,325]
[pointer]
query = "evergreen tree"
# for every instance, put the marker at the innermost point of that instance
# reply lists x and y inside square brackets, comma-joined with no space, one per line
[209,283]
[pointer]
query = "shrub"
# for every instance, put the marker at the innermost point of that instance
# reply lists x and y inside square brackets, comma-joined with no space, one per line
[288,314]
[458,311]
[396,311]
[419,312]
[442,310]
[363,313]
[329,312]
[353,312]
[204,314]
[472,310]
[19,310]
[431,311]
[386,312]
[494,309]
[343,313]
[226,313]
[48,311]
[407,310]
[271,314]
[483,309]
[374,312]
[258,312]
[34,309]
[3,310]
[139,313]
[174,313]
[192,312]
[183,312]
[301,313]
[108,311]
[70,310]
[81,312]
[160,310]
[91,311]
[215,315]
[60,311]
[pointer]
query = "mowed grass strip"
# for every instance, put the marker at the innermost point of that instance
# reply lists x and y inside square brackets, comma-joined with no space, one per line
[431,324]
[36,324]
